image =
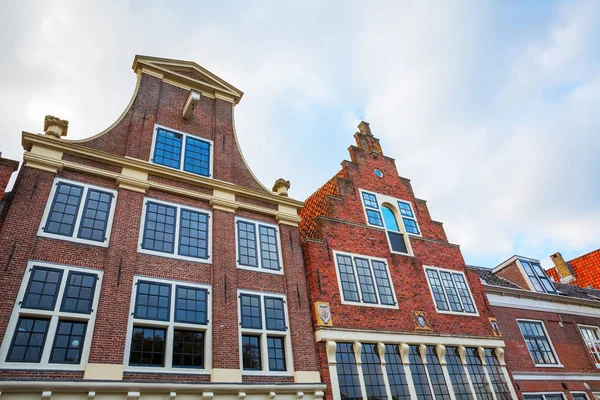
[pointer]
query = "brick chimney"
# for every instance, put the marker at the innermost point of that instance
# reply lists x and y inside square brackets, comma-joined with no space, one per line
[7,167]
[564,269]
[365,139]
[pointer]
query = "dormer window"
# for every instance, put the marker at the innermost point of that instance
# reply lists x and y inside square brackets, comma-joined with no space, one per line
[181,151]
[537,277]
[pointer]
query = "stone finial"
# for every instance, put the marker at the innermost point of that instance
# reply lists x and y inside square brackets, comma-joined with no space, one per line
[56,127]
[281,187]
[364,128]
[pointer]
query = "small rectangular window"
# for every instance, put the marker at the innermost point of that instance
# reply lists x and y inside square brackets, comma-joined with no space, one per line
[251,312]
[147,347]
[29,340]
[408,217]
[159,228]
[254,239]
[68,342]
[274,314]
[43,287]
[251,353]
[188,349]
[247,244]
[64,209]
[276,353]
[538,277]
[268,247]
[591,336]
[193,234]
[347,279]
[197,156]
[450,291]
[153,301]
[95,216]
[169,146]
[190,305]
[370,200]
[538,343]
[579,396]
[79,292]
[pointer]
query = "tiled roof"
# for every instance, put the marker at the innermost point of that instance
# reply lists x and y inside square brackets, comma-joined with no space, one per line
[486,275]
[586,269]
[315,206]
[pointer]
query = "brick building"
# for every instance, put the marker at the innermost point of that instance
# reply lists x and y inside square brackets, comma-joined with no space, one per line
[148,262]
[551,330]
[583,271]
[396,313]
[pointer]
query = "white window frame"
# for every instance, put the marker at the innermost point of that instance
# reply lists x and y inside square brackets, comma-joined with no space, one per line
[596,395]
[528,279]
[183,146]
[360,302]
[580,392]
[169,327]
[597,329]
[451,271]
[544,394]
[259,267]
[73,237]
[54,315]
[558,363]
[264,332]
[175,253]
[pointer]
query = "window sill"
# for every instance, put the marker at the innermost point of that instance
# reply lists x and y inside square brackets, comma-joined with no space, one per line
[268,373]
[464,314]
[72,239]
[175,256]
[549,365]
[165,370]
[264,270]
[352,303]
[402,254]
[41,366]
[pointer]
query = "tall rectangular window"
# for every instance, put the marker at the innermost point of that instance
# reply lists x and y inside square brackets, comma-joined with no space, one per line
[497,377]
[43,320]
[372,373]
[173,230]
[458,376]
[537,277]
[419,375]
[478,377]
[78,212]
[364,280]
[436,374]
[408,218]
[450,291]
[372,209]
[591,336]
[258,246]
[538,343]
[169,146]
[396,373]
[347,372]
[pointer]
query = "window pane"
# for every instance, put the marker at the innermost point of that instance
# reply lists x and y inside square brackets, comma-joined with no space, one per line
[79,293]
[190,305]
[276,353]
[374,217]
[347,372]
[197,156]
[193,234]
[592,341]
[395,372]
[390,219]
[436,288]
[537,342]
[153,301]
[42,288]
[95,216]
[251,315]
[365,280]
[372,373]
[68,342]
[274,314]
[63,212]
[269,255]
[579,396]
[147,347]
[370,200]
[543,277]
[405,209]
[417,370]
[458,376]
[188,349]
[383,283]
[451,292]
[167,149]
[497,376]
[247,244]
[29,340]
[482,388]
[436,374]
[251,352]
[537,286]
[397,242]
[463,292]
[159,228]
[346,271]
[410,225]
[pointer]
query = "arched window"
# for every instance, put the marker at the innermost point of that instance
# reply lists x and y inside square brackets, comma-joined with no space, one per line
[393,230]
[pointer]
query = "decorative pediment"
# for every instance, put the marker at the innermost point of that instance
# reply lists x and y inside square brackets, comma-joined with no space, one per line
[189,75]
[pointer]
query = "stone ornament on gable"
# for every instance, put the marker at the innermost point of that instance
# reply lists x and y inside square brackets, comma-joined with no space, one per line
[55,126]
[281,187]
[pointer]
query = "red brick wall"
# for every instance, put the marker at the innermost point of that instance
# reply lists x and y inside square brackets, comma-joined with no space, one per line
[513,274]
[6,172]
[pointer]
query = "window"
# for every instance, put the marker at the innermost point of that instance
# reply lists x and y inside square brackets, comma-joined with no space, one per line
[591,336]
[172,230]
[458,376]
[364,281]
[53,318]
[378,173]
[169,327]
[543,396]
[419,374]
[537,277]
[372,373]
[478,377]
[497,376]
[538,344]
[265,344]
[78,212]
[395,238]
[450,291]
[408,218]
[169,145]
[349,384]
[396,373]
[436,374]
[258,246]
[579,396]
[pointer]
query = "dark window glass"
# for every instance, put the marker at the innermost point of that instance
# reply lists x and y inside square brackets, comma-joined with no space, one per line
[537,342]
[395,372]
[167,149]
[438,291]
[63,212]
[458,376]
[251,352]
[251,315]
[383,283]
[410,225]
[42,288]
[95,216]
[405,209]
[346,270]
[554,397]
[197,156]
[477,374]
[372,373]
[147,347]
[497,376]
[347,372]
[419,375]
[193,234]
[190,305]
[537,277]
[463,292]
[537,397]
[79,293]
[274,314]
[159,229]
[543,277]
[397,242]
[276,353]
[68,342]
[370,200]
[374,217]
[436,374]
[451,292]
[153,301]
[579,396]
[247,244]
[365,280]
[269,255]
[188,349]
[28,341]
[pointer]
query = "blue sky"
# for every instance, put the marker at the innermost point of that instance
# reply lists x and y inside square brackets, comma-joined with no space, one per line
[491,108]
